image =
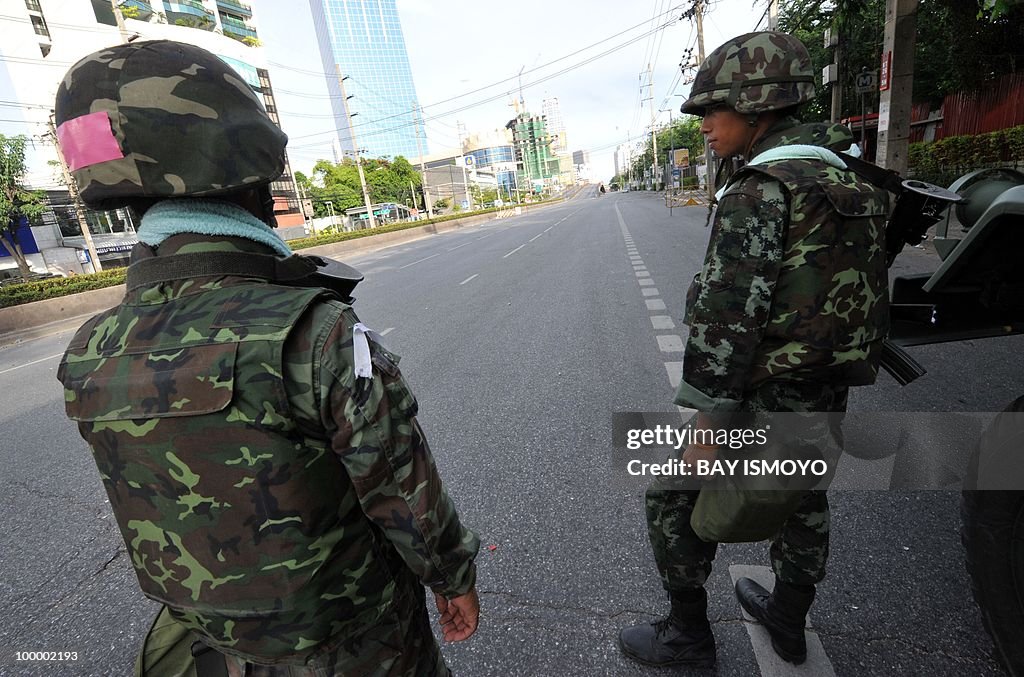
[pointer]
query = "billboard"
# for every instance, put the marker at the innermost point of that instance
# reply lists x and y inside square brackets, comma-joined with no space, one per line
[681,157]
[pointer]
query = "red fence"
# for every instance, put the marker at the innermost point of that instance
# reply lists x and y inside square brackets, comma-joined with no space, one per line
[999,105]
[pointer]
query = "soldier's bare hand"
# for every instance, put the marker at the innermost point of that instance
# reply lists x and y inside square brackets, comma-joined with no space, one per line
[459,615]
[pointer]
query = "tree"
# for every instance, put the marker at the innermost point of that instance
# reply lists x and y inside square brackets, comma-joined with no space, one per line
[960,45]
[386,181]
[16,202]
[682,133]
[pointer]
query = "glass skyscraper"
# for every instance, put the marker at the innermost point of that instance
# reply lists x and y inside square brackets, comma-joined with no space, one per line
[362,40]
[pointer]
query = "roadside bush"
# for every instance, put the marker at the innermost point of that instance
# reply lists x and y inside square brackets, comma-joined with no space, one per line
[27,292]
[690,182]
[942,162]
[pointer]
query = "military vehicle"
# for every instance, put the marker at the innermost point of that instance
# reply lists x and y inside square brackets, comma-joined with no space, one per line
[976,292]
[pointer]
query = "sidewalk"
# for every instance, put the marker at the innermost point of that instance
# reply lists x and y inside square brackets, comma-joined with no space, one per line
[52,316]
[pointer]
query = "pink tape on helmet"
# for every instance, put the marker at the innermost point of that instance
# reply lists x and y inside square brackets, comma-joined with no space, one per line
[88,140]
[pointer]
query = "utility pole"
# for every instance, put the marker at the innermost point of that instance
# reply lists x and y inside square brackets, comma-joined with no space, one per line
[462,153]
[302,202]
[423,170]
[115,5]
[355,147]
[69,181]
[832,41]
[629,166]
[897,84]
[773,15]
[698,13]
[654,132]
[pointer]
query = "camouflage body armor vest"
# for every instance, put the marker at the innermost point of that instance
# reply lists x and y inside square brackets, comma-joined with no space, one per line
[232,517]
[830,308]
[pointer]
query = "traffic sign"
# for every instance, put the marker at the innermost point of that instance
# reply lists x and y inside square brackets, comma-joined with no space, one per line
[866,82]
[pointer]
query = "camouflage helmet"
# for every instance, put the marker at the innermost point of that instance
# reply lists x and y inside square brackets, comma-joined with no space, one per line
[163,119]
[753,73]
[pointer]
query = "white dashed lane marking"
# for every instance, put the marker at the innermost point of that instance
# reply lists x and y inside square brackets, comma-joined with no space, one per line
[426,258]
[670,343]
[645,281]
[650,291]
[534,238]
[642,273]
[675,373]
[468,279]
[387,331]
[513,251]
[29,364]
[655,304]
[662,322]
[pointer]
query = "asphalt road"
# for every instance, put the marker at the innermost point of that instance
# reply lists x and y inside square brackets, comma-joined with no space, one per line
[520,338]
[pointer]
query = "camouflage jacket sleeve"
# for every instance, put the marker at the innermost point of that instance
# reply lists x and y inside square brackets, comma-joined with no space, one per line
[373,429]
[730,300]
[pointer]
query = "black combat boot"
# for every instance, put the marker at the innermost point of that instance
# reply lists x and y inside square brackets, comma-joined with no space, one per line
[783,612]
[684,638]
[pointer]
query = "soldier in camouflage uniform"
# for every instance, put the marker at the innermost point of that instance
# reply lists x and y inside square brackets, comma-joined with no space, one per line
[788,312]
[259,447]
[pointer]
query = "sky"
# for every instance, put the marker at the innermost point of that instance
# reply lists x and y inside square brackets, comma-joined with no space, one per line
[457,47]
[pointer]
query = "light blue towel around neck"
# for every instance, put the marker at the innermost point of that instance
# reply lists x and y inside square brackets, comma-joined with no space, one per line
[206,217]
[794,152]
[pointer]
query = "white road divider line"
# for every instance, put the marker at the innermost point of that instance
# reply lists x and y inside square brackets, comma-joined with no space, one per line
[468,279]
[548,228]
[662,322]
[670,343]
[675,373]
[534,237]
[29,364]
[655,304]
[427,258]
[651,291]
[768,661]
[387,331]
[513,251]
[461,245]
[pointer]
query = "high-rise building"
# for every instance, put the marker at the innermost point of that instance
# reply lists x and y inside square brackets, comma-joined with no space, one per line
[362,42]
[581,164]
[42,38]
[539,166]
[556,126]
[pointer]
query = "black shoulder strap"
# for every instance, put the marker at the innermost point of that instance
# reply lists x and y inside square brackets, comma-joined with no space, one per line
[295,270]
[883,178]
[156,269]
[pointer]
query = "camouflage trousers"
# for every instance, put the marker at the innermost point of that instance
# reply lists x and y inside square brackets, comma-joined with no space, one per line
[401,645]
[799,550]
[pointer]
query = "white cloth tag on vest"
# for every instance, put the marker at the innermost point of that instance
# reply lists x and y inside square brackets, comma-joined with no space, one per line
[361,351]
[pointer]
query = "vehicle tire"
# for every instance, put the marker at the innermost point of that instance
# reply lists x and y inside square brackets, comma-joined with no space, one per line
[992,532]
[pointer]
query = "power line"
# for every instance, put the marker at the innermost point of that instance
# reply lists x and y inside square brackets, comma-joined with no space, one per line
[501,95]
[511,78]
